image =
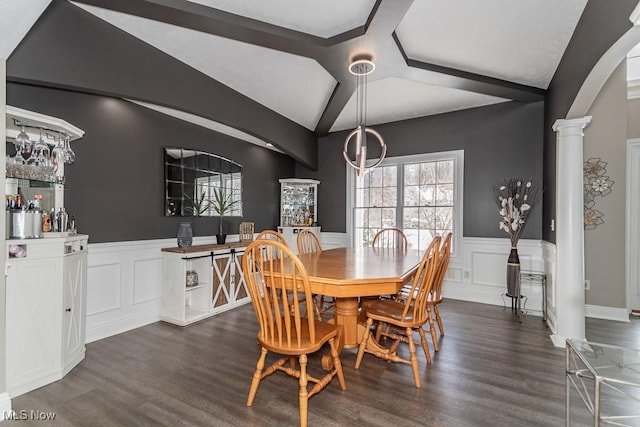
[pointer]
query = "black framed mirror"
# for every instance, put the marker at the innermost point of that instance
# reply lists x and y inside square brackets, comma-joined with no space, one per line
[198,183]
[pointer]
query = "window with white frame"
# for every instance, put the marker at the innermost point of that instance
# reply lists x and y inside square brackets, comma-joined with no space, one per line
[419,194]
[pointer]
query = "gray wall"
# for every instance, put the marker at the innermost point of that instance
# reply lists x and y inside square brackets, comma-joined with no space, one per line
[116,187]
[606,138]
[499,141]
[69,48]
[602,23]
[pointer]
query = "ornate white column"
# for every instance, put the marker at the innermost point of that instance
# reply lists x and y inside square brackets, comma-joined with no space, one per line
[569,280]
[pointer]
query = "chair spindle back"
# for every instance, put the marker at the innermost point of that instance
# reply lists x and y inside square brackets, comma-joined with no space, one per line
[308,242]
[390,238]
[416,303]
[272,270]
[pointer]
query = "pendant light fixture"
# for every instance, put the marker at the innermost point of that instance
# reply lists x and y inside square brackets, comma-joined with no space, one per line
[361,68]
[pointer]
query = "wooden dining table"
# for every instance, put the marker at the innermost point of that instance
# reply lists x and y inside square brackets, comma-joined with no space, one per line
[349,273]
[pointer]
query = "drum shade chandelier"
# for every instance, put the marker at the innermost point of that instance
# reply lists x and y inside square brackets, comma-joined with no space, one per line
[361,68]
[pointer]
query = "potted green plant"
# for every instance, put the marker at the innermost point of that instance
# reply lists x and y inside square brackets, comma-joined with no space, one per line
[222,204]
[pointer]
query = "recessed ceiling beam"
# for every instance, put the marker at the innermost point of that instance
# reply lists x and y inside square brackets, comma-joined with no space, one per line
[376,37]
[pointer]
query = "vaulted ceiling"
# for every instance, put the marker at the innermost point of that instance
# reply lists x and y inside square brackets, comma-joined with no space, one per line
[291,56]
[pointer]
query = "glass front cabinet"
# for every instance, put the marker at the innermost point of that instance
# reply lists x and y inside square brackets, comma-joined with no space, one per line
[298,208]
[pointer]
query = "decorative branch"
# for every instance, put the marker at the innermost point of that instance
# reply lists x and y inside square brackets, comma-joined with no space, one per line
[516,198]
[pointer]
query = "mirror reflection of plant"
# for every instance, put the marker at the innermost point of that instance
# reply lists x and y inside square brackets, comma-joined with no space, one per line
[199,205]
[222,203]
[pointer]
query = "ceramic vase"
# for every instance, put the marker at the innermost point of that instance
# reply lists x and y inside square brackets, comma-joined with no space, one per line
[185,235]
[513,274]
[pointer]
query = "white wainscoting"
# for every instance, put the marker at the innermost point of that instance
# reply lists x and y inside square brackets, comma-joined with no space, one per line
[124,279]
[478,274]
[124,284]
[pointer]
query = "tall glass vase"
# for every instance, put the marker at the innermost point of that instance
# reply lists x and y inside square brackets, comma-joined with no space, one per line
[513,274]
[185,235]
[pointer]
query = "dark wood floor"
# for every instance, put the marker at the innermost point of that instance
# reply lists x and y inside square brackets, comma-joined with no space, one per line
[490,371]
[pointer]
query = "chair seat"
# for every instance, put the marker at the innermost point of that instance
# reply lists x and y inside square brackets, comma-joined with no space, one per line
[324,332]
[392,311]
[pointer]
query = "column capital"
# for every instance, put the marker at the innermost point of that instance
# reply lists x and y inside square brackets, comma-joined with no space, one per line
[571,125]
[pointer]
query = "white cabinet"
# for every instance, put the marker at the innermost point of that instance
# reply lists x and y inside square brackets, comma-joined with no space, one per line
[220,284]
[298,208]
[45,327]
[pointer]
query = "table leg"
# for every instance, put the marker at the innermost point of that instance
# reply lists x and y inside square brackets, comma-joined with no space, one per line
[351,333]
[372,344]
[346,316]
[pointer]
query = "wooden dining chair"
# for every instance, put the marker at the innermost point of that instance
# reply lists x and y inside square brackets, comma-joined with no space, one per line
[283,327]
[390,238]
[277,237]
[435,296]
[271,235]
[404,318]
[385,238]
[308,242]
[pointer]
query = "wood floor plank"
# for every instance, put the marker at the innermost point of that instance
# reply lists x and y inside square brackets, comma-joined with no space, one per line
[490,371]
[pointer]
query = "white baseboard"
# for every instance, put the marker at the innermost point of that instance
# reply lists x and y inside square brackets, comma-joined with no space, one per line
[5,406]
[607,313]
[558,341]
[121,325]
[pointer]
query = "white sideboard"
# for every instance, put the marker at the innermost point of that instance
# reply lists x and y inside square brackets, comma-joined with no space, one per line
[220,283]
[46,309]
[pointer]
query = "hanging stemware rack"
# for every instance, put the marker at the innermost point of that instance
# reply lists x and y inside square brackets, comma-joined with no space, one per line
[32,133]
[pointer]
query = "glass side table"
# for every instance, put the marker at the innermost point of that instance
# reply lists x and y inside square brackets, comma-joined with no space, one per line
[540,277]
[592,368]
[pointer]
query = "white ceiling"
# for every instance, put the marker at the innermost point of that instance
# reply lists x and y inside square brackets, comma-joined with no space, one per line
[324,18]
[16,20]
[392,99]
[272,78]
[516,41]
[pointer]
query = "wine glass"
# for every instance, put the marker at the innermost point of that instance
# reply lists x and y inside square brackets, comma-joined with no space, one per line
[40,152]
[69,154]
[22,145]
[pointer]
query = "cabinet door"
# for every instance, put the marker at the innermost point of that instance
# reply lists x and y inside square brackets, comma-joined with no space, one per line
[73,305]
[34,307]
[222,288]
[240,287]
[228,281]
